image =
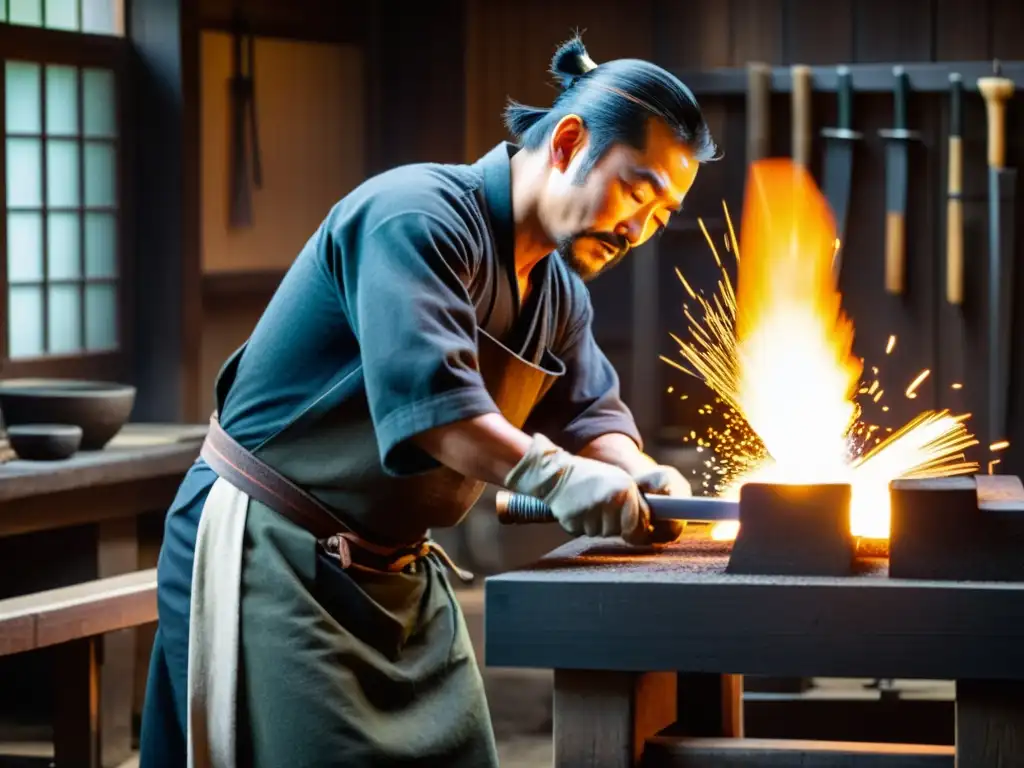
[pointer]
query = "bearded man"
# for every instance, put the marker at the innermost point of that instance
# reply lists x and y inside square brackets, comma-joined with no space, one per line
[433,335]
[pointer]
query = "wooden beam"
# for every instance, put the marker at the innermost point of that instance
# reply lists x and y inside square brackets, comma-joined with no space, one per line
[84,610]
[315,21]
[167,285]
[678,610]
[673,752]
[990,723]
[256,283]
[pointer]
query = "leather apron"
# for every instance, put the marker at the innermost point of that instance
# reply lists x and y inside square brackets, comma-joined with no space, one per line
[286,642]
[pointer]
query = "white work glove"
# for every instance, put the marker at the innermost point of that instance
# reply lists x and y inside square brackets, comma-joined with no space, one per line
[587,497]
[664,481]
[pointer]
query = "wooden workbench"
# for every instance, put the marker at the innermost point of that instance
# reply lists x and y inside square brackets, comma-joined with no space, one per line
[646,643]
[75,520]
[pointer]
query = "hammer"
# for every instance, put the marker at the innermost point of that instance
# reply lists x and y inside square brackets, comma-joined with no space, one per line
[520,509]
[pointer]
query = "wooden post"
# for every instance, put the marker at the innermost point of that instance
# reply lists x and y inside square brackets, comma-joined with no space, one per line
[604,718]
[710,705]
[989,724]
[117,552]
[76,728]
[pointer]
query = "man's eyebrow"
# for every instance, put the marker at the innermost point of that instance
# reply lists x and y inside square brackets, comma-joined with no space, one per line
[656,180]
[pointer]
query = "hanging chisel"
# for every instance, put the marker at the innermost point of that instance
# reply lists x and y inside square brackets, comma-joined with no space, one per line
[838,176]
[759,89]
[897,171]
[954,203]
[519,509]
[1002,181]
[800,114]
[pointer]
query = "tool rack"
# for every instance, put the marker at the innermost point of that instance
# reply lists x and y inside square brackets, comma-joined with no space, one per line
[867,78]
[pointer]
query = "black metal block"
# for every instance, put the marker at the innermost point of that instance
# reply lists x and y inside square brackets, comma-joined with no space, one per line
[794,530]
[957,529]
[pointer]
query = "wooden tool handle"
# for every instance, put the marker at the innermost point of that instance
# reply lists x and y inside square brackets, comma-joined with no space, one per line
[895,252]
[801,114]
[955,225]
[759,84]
[996,92]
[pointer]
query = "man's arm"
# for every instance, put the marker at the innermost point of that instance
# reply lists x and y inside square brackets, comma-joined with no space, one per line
[620,450]
[486,447]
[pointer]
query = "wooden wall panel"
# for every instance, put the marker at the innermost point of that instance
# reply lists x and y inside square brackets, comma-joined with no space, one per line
[886,31]
[311,147]
[415,65]
[225,328]
[817,33]
[509,48]
[323,20]
[757,33]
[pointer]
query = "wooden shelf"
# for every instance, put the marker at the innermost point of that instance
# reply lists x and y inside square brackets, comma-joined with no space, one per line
[255,283]
[866,78]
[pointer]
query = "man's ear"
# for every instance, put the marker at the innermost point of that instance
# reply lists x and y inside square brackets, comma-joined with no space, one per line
[567,140]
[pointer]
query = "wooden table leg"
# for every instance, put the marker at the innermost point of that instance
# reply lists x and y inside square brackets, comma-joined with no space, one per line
[76,727]
[989,724]
[117,552]
[602,719]
[710,705]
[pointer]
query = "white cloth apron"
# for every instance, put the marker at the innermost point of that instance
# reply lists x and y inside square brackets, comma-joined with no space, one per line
[214,629]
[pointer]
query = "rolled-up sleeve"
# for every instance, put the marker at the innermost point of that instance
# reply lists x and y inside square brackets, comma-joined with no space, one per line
[585,402]
[404,289]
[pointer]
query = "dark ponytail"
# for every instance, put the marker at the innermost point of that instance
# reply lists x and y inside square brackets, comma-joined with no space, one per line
[520,118]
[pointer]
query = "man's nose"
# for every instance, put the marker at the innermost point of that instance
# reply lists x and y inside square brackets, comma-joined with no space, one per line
[632,230]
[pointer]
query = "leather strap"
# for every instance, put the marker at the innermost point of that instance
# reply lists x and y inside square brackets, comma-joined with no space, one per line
[262,482]
[245,471]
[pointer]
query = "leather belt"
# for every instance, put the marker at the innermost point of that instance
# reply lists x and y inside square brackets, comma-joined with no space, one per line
[258,480]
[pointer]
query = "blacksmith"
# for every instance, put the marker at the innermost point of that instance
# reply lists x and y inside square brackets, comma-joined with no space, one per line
[432,336]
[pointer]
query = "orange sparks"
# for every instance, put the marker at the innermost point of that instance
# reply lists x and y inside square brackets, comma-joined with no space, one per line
[1001,445]
[912,389]
[777,352]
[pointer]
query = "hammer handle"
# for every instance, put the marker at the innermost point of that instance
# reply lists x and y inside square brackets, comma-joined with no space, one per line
[520,509]
[759,86]
[955,226]
[996,91]
[954,204]
[801,114]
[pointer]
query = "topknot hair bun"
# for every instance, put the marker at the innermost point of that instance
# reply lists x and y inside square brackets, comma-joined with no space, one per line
[571,61]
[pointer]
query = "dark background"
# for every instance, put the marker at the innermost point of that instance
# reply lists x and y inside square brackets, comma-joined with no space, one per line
[435,79]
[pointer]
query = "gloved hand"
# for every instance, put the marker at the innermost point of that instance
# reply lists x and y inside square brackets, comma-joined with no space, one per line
[587,497]
[665,481]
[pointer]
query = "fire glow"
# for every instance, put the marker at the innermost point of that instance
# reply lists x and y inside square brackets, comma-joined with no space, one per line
[778,352]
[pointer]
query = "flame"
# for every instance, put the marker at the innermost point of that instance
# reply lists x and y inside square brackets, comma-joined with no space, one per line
[778,353]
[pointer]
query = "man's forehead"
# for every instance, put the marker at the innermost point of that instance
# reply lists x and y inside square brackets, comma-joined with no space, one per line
[670,174]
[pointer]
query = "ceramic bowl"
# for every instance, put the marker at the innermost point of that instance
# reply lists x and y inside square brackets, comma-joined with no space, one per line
[99,408]
[44,442]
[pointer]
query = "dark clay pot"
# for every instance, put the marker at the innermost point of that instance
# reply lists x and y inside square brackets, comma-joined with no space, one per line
[44,442]
[99,408]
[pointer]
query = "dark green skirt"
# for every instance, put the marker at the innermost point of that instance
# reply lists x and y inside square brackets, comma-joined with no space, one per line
[352,667]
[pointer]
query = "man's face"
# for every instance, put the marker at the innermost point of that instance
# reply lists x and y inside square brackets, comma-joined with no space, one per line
[621,202]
